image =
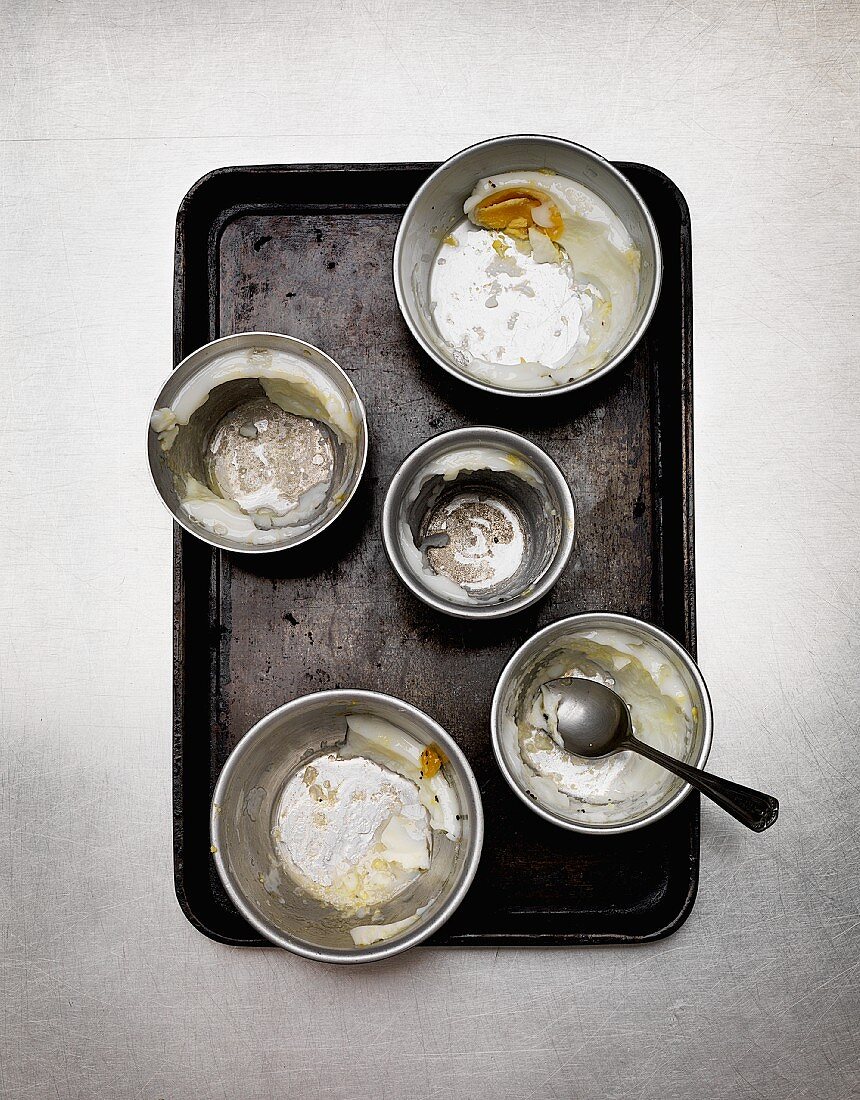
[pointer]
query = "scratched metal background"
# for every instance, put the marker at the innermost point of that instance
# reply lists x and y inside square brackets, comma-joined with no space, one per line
[109,112]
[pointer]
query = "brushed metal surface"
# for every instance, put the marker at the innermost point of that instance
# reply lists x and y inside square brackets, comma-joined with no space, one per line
[111,111]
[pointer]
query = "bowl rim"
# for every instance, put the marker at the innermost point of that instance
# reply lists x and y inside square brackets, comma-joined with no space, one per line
[577,383]
[412,936]
[209,537]
[548,468]
[602,619]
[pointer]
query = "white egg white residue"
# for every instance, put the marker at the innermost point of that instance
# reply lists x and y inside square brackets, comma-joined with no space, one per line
[507,310]
[484,560]
[352,833]
[503,559]
[289,379]
[366,934]
[354,828]
[526,314]
[226,518]
[462,460]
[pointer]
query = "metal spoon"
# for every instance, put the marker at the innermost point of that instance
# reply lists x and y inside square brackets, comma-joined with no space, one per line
[593,720]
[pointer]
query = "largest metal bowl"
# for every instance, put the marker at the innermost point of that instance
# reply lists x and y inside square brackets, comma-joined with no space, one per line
[438,205]
[245,804]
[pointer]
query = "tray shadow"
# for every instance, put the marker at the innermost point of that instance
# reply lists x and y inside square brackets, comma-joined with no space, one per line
[516,414]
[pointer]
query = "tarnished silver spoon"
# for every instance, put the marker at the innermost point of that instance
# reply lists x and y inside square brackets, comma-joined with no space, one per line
[593,720]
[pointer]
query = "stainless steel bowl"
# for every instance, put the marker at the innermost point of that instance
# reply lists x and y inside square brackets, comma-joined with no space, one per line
[244,808]
[438,206]
[521,672]
[503,525]
[217,433]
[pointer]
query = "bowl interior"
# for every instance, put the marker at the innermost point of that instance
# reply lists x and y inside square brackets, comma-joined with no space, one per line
[245,812]
[438,207]
[533,664]
[239,434]
[475,520]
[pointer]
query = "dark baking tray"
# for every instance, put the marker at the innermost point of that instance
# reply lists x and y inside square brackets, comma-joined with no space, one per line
[307,250]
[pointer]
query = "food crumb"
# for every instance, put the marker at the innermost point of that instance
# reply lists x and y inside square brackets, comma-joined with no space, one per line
[432,760]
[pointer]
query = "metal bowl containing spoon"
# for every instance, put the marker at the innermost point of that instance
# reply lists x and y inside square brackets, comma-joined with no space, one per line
[565,708]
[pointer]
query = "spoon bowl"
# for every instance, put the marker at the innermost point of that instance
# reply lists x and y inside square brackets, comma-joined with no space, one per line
[592,718]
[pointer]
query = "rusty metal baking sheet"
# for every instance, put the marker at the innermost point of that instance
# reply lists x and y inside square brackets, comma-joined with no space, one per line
[307,250]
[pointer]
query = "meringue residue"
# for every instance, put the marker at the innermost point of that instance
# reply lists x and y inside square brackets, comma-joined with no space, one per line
[352,833]
[354,828]
[537,285]
[476,541]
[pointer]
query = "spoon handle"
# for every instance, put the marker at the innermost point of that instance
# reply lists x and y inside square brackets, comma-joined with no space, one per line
[756,810]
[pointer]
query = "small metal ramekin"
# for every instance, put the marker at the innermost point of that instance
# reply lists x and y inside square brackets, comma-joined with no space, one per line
[438,205]
[245,804]
[527,660]
[349,455]
[538,495]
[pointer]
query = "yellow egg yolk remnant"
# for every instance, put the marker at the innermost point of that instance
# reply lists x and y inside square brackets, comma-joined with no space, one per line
[516,210]
[432,760]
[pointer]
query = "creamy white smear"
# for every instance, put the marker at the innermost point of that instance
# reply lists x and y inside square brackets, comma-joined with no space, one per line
[493,562]
[532,314]
[480,559]
[352,833]
[354,828]
[508,310]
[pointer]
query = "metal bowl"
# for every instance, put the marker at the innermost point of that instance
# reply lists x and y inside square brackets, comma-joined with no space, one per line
[234,437]
[515,684]
[438,206]
[245,805]
[478,522]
